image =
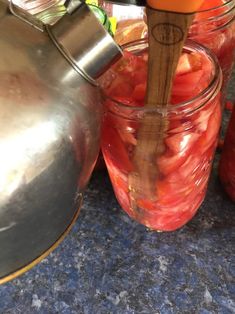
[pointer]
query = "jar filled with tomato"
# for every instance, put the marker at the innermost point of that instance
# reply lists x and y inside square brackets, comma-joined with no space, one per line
[214,27]
[192,121]
[227,161]
[129,19]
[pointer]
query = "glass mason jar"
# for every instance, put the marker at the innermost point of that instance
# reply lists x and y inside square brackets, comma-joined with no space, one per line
[227,161]
[215,29]
[129,20]
[182,165]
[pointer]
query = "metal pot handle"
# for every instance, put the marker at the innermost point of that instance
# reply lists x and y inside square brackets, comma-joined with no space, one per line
[25,16]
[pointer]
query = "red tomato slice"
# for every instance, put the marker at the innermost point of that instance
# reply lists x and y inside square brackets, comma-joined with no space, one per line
[120,185]
[128,135]
[129,64]
[139,76]
[168,163]
[186,85]
[114,149]
[191,165]
[184,64]
[209,137]
[125,127]
[181,142]
[189,63]
[139,92]
[147,205]
[171,221]
[120,87]
[171,195]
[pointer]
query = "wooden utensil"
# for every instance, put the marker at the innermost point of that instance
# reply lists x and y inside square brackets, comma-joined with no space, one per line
[168,24]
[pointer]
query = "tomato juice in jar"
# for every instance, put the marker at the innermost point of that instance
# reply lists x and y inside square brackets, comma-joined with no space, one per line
[214,27]
[193,120]
[227,161]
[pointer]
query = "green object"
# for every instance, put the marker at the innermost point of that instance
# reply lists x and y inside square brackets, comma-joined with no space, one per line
[52,14]
[102,17]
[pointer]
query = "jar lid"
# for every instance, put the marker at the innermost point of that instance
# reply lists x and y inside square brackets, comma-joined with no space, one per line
[141,3]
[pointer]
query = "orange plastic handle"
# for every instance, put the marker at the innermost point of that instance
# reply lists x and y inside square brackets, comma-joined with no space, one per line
[181,6]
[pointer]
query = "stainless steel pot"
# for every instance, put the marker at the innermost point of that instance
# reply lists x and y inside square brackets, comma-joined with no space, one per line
[49,127]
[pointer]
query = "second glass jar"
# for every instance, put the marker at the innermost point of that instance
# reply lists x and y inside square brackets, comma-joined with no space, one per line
[227,161]
[214,27]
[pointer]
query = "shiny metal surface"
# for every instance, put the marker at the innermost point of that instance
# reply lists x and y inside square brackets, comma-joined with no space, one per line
[88,45]
[49,141]
[25,16]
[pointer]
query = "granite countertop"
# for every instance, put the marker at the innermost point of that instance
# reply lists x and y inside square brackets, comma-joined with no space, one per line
[111,264]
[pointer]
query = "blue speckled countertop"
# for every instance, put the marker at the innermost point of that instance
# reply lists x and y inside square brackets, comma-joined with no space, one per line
[111,264]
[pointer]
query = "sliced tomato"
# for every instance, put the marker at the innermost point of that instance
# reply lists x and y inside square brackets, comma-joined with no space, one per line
[147,205]
[126,128]
[181,142]
[114,149]
[172,194]
[139,76]
[139,92]
[179,125]
[168,163]
[128,134]
[201,120]
[186,85]
[120,87]
[126,64]
[129,64]
[184,64]
[209,137]
[120,185]
[191,165]
[196,61]
[189,62]
[170,221]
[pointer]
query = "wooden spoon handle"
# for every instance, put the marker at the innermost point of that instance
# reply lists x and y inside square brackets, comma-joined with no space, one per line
[167,32]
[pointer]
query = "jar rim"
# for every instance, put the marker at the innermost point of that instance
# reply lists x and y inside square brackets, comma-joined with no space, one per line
[220,17]
[214,84]
[218,6]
